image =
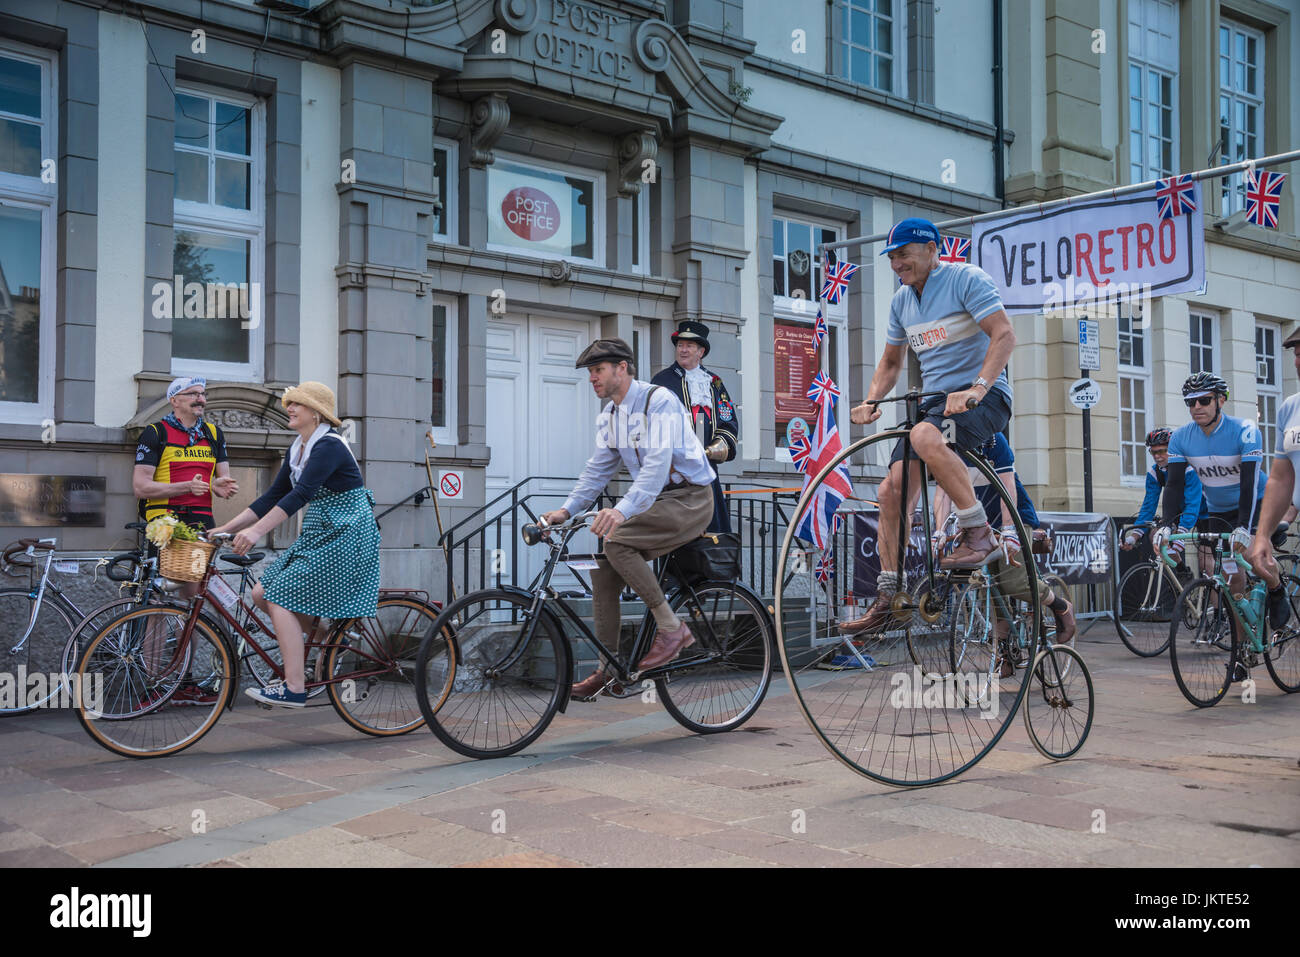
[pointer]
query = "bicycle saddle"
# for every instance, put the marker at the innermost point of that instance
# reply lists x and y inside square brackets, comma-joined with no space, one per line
[136,526]
[243,561]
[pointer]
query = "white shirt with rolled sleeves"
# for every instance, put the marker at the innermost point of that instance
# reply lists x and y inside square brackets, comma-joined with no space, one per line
[658,445]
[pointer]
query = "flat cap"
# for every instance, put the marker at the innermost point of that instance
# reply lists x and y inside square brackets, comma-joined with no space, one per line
[1292,340]
[604,350]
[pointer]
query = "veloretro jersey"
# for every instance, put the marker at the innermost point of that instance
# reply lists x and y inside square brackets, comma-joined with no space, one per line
[1288,432]
[1218,457]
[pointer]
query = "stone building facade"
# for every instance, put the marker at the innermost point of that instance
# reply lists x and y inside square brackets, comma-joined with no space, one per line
[433,207]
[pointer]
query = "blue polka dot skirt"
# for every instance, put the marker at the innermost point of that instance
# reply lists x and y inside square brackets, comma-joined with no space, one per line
[332,570]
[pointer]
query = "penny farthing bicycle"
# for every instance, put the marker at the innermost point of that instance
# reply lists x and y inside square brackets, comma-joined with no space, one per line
[922,696]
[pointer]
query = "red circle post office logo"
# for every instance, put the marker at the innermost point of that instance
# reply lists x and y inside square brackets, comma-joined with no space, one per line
[530,214]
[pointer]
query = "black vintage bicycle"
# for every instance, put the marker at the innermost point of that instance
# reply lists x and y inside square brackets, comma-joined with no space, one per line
[922,696]
[511,669]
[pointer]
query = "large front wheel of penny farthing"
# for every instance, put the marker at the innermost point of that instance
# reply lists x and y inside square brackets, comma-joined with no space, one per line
[914,699]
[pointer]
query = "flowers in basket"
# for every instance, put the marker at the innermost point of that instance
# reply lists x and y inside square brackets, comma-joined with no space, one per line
[163,529]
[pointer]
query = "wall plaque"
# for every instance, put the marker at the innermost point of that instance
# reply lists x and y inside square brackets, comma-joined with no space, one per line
[45,500]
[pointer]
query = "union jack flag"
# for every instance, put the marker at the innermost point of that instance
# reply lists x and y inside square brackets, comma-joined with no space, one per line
[801,453]
[1176,195]
[819,328]
[1264,197]
[823,389]
[825,567]
[955,249]
[820,520]
[836,283]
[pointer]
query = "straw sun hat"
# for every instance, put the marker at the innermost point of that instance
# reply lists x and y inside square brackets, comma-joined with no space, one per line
[314,395]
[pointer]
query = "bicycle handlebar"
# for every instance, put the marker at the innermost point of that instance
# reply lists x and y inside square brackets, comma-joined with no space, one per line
[903,398]
[534,532]
[118,574]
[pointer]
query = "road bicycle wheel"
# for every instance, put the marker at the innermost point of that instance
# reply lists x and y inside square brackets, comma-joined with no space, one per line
[1059,706]
[371,666]
[1147,593]
[734,644]
[1282,658]
[146,692]
[34,669]
[991,634]
[1203,647]
[505,680]
[914,699]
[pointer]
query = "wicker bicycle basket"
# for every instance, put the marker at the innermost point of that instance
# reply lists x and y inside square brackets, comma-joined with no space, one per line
[185,561]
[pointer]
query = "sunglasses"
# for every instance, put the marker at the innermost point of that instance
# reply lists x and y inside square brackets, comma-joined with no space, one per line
[1199,400]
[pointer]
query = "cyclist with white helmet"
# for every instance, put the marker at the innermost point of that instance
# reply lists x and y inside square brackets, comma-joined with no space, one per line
[1227,454]
[1157,443]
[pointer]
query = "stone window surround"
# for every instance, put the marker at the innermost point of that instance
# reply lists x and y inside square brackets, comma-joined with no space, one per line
[28,193]
[276,86]
[1264,388]
[1231,191]
[1209,349]
[788,188]
[450,201]
[1147,64]
[1140,377]
[1198,92]
[899,36]
[599,193]
[240,224]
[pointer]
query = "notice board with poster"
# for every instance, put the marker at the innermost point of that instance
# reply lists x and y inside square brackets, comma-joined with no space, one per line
[795,360]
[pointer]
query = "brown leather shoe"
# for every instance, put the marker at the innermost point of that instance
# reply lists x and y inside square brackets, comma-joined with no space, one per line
[1006,660]
[976,547]
[590,687]
[1065,626]
[877,616]
[667,646]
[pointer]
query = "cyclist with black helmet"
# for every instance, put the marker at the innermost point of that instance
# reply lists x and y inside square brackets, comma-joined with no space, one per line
[1157,476]
[1227,454]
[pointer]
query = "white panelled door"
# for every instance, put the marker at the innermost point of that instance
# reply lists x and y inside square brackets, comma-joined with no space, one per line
[541,416]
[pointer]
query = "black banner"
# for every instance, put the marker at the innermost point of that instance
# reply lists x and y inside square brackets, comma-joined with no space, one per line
[1083,547]
[866,562]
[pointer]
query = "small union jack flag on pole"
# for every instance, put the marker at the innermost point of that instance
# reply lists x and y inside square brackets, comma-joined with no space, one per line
[1264,197]
[1175,196]
[825,569]
[819,328]
[955,250]
[836,282]
[823,389]
[801,453]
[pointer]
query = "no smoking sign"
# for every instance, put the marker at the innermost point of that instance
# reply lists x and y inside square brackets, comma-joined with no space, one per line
[451,485]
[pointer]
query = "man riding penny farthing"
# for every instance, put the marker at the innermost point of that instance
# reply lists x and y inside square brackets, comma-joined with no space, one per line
[924,702]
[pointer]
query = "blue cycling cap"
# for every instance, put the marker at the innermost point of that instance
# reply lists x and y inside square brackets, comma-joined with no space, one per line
[911,230]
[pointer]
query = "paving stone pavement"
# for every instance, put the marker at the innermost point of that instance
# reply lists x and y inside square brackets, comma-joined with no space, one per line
[618,783]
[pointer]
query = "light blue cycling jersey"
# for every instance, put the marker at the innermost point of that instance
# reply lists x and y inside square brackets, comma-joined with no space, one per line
[1288,435]
[943,326]
[1193,504]
[1218,458]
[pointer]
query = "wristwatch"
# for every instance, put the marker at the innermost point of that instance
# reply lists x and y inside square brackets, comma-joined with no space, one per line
[981,381]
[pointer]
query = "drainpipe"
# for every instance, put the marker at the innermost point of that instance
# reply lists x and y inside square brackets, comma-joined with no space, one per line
[998,185]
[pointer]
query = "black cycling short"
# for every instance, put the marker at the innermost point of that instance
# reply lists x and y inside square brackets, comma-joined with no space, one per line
[1223,521]
[971,429]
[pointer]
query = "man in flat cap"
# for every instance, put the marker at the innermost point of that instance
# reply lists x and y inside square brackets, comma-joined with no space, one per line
[712,413]
[670,502]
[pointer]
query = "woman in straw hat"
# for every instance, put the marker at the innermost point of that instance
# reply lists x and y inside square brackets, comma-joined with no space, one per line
[332,570]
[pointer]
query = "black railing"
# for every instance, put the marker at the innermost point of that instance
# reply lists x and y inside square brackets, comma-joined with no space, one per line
[485,550]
